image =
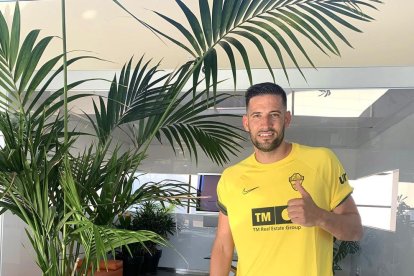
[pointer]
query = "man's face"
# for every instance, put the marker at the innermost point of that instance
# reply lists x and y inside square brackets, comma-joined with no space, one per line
[266,120]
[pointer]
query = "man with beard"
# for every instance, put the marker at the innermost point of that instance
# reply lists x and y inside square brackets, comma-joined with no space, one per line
[281,207]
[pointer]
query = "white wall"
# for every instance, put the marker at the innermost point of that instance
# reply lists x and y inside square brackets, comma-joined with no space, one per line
[388,253]
[16,250]
[389,150]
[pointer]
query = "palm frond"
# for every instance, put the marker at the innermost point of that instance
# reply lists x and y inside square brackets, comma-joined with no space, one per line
[96,240]
[188,124]
[137,95]
[94,171]
[281,25]
[24,79]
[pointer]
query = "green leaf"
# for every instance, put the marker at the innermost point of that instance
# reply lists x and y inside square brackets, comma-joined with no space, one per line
[184,32]
[4,36]
[346,10]
[25,53]
[15,37]
[207,70]
[362,3]
[241,11]
[50,108]
[232,61]
[189,142]
[216,18]
[326,23]
[34,60]
[196,74]
[234,12]
[244,55]
[39,77]
[337,18]
[280,39]
[206,20]
[290,34]
[301,25]
[259,46]
[225,16]
[267,38]
[194,24]
[251,9]
[260,8]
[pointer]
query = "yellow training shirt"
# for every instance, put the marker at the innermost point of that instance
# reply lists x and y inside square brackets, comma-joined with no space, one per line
[254,196]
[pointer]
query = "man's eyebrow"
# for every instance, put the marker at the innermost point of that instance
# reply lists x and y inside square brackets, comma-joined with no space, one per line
[255,112]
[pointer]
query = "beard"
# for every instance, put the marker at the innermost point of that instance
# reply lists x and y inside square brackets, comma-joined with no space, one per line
[271,145]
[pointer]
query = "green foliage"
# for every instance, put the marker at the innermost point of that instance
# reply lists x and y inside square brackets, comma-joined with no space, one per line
[150,216]
[341,250]
[154,217]
[67,200]
[147,104]
[280,25]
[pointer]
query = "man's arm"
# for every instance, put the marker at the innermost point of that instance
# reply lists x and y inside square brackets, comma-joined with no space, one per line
[223,247]
[343,222]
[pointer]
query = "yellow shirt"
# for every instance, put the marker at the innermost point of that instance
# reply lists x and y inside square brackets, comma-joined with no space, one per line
[254,197]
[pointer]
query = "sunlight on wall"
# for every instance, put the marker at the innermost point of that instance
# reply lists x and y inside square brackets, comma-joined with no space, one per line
[376,198]
[333,102]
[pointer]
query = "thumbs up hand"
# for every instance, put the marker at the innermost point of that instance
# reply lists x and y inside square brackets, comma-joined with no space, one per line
[303,211]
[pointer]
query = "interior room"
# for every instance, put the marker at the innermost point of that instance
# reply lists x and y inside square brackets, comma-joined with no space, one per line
[359,104]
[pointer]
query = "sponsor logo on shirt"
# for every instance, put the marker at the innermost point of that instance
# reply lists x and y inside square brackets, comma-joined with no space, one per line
[342,178]
[269,216]
[272,219]
[295,178]
[246,191]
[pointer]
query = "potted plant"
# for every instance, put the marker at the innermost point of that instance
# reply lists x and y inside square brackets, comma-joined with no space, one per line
[142,258]
[68,202]
[341,249]
[152,216]
[131,254]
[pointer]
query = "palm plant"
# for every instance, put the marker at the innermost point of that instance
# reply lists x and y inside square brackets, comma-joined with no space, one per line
[69,201]
[279,24]
[341,250]
[36,184]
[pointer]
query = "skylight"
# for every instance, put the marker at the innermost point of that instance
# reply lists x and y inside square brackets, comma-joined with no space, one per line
[333,102]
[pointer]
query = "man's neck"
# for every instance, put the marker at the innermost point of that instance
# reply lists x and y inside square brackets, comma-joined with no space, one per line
[278,154]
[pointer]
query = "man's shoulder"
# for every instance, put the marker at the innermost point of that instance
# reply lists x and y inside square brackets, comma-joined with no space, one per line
[241,165]
[313,152]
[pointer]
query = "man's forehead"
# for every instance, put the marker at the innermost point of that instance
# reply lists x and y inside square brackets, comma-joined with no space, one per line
[272,102]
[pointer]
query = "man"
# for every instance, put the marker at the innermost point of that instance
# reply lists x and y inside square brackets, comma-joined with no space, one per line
[281,206]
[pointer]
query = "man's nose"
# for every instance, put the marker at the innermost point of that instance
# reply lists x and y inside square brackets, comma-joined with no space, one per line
[267,121]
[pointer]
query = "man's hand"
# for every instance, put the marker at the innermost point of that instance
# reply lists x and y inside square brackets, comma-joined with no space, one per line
[304,211]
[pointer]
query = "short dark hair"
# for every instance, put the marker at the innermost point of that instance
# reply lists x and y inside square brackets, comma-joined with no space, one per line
[265,88]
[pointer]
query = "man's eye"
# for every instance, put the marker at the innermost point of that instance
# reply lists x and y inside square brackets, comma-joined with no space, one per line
[275,115]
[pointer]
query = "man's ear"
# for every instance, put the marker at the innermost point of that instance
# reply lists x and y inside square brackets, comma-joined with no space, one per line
[288,118]
[245,123]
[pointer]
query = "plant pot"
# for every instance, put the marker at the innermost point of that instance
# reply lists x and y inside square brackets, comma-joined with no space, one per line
[150,264]
[132,265]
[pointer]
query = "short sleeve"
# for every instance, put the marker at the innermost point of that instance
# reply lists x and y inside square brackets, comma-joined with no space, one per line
[340,189]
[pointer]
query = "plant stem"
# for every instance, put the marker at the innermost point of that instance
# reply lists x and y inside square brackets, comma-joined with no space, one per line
[65,123]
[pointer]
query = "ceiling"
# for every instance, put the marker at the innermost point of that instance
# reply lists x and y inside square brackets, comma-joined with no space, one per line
[339,130]
[101,27]
[105,29]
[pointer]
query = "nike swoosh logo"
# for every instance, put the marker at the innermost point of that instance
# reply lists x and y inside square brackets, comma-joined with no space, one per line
[249,190]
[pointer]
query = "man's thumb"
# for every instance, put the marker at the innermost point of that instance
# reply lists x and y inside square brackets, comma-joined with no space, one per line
[301,189]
